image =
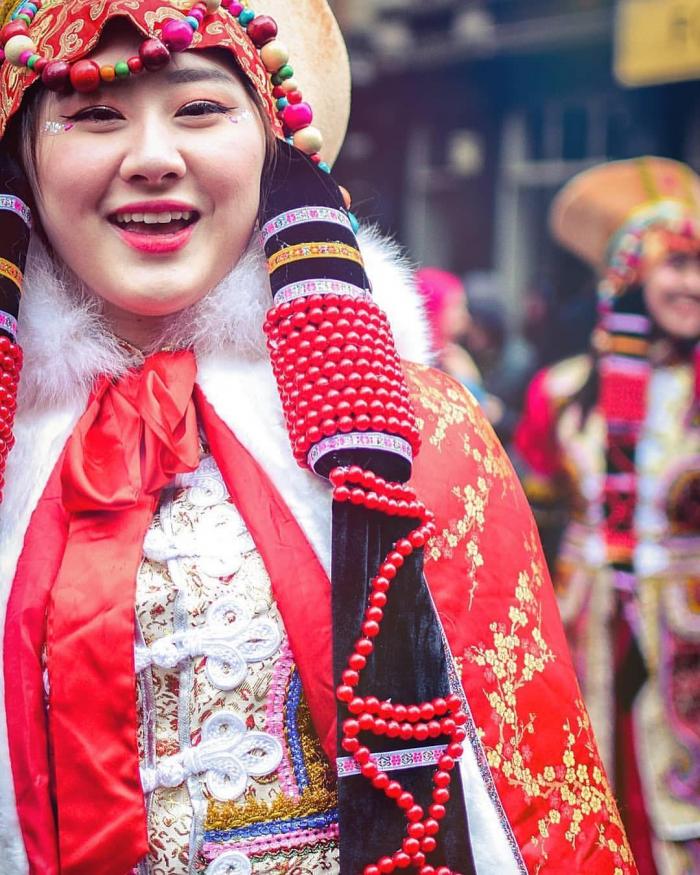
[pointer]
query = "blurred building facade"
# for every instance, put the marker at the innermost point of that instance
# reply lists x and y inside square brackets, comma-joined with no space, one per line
[470,114]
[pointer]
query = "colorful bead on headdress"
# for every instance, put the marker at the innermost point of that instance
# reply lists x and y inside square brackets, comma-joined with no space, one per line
[176,35]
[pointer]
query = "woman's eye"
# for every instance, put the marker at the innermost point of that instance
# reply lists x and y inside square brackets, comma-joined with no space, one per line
[95,114]
[203,107]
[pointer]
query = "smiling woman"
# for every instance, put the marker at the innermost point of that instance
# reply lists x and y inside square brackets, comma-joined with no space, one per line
[236,639]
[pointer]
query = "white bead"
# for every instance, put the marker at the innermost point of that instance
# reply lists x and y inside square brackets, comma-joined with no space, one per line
[16,46]
[274,55]
[308,140]
[212,5]
[290,85]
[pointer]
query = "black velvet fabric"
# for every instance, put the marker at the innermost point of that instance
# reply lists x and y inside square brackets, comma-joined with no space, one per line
[409,665]
[14,234]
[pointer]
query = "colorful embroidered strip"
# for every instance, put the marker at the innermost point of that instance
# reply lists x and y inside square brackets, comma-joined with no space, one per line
[360,440]
[8,324]
[13,204]
[305,251]
[303,216]
[392,760]
[11,272]
[306,288]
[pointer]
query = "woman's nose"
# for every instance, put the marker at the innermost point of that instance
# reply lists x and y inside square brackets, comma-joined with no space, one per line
[153,156]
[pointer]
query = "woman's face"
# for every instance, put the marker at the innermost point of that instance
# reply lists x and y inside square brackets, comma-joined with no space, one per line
[149,188]
[672,296]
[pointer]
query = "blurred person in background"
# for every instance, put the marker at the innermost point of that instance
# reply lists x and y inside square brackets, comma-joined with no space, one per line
[615,436]
[450,324]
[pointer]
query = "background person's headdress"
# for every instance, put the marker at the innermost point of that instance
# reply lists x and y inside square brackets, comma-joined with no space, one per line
[345,400]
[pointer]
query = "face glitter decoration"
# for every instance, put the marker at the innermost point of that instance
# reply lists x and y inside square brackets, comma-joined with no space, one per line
[54,127]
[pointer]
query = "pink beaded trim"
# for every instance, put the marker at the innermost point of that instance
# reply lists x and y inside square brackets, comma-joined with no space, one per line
[8,323]
[14,205]
[272,843]
[371,440]
[305,288]
[302,216]
[274,718]
[391,761]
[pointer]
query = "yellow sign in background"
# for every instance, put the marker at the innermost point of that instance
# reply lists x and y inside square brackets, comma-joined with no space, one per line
[657,41]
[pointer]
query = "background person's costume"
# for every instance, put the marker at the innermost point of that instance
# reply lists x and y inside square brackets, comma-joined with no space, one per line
[618,439]
[219,750]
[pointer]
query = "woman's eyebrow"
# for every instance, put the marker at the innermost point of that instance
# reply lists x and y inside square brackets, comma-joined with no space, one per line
[197,74]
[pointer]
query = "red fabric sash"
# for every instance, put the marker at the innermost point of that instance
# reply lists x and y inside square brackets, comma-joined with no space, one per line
[134,437]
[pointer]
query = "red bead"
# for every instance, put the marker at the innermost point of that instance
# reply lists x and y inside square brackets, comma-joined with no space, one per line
[357,661]
[405,800]
[370,629]
[362,755]
[56,75]
[85,76]
[381,781]
[351,728]
[364,647]
[371,870]
[295,96]
[370,770]
[40,66]
[411,846]
[344,693]
[441,779]
[262,29]
[421,731]
[13,28]
[441,795]
[350,677]
[135,65]
[386,864]
[414,814]
[376,614]
[153,54]
[372,704]
[432,827]
[366,722]
[350,745]
[393,729]
[416,830]
[393,790]
[402,860]
[356,706]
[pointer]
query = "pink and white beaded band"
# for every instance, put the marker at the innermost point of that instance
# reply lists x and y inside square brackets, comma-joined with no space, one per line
[15,205]
[306,288]
[8,324]
[360,440]
[392,760]
[302,216]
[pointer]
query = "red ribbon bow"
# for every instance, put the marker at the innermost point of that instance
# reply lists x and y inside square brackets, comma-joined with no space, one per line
[136,434]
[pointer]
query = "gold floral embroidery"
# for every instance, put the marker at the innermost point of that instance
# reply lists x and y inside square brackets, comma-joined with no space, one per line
[574,790]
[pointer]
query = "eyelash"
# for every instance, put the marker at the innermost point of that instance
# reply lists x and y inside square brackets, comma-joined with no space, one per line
[107,114]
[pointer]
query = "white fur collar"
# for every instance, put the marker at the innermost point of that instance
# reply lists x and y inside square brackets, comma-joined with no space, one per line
[67,345]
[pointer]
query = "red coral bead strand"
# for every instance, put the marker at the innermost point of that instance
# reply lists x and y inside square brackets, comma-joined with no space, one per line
[10,366]
[432,719]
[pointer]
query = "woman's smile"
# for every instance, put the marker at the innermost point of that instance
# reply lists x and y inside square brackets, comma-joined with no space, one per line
[155,227]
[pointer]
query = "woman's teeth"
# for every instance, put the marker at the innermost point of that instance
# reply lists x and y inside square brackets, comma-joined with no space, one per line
[153,218]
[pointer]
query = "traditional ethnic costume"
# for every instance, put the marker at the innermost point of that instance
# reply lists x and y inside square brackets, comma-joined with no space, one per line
[213,659]
[616,437]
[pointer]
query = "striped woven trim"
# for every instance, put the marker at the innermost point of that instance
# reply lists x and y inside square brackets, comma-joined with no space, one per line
[303,216]
[11,272]
[306,251]
[15,205]
[361,440]
[392,760]
[8,323]
[307,288]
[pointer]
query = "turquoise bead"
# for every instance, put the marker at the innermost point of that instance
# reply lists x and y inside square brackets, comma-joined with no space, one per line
[353,221]
[30,6]
[192,21]
[282,103]
[326,169]
[246,17]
